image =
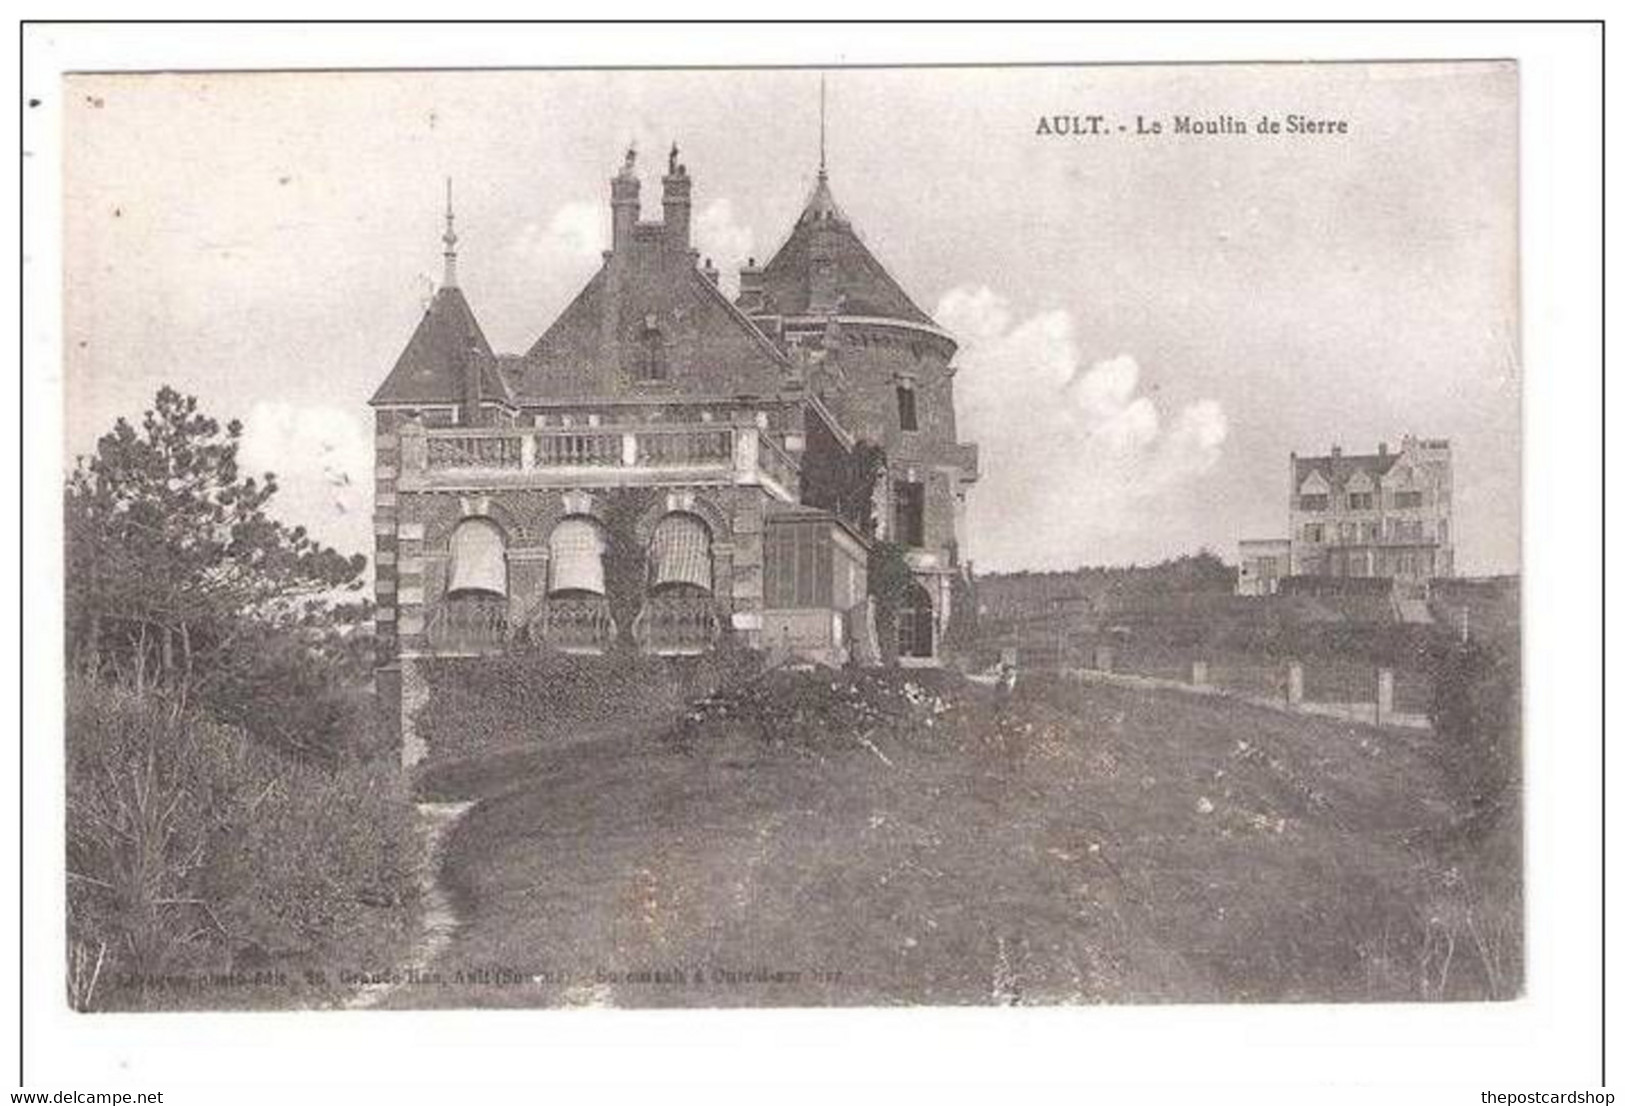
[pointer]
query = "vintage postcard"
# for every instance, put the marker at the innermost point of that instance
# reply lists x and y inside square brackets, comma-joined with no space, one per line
[1007,535]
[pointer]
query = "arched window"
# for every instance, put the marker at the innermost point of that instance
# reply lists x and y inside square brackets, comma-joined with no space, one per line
[651,354]
[575,564]
[680,554]
[479,562]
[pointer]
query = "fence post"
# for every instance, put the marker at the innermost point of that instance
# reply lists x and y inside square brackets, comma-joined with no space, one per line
[1199,673]
[1294,682]
[1385,694]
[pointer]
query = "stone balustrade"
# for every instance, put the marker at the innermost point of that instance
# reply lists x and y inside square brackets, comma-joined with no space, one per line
[524,456]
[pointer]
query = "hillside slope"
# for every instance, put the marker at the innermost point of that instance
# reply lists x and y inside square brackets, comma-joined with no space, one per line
[817,839]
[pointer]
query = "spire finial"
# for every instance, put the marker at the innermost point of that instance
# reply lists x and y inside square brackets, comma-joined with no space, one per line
[823,165]
[450,239]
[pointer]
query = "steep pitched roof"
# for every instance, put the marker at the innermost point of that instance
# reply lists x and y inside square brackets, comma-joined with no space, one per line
[429,368]
[716,348]
[865,285]
[1338,470]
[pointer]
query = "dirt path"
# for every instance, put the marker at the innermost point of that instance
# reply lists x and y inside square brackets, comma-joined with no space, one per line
[439,921]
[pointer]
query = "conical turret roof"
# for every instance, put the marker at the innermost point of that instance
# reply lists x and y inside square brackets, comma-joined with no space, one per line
[429,368]
[823,235]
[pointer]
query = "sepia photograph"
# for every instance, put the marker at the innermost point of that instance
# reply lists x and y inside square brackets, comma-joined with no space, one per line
[823,536]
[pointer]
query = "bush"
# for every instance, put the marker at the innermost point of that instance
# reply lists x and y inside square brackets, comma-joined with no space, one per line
[809,709]
[295,697]
[192,847]
[481,704]
[890,581]
[1475,712]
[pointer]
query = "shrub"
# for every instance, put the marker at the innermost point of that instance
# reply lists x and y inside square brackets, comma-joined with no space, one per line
[890,580]
[480,704]
[1475,712]
[294,696]
[193,847]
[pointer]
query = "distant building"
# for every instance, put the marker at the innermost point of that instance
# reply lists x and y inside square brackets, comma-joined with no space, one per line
[1385,514]
[1264,561]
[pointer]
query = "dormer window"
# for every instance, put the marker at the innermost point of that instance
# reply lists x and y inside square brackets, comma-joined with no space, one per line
[650,361]
[908,412]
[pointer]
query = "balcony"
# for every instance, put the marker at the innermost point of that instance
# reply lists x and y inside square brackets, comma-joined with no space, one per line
[469,626]
[677,625]
[575,624]
[458,458]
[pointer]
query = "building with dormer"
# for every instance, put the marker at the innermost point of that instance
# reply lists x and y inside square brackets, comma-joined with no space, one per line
[663,465]
[1386,515]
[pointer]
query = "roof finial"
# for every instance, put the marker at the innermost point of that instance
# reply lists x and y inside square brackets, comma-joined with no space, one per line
[450,239]
[823,167]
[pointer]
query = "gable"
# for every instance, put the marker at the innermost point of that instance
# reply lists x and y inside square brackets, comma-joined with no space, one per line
[1315,484]
[1340,471]
[708,346]
[1400,476]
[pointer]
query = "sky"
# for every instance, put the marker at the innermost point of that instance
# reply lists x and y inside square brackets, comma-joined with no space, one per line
[1148,324]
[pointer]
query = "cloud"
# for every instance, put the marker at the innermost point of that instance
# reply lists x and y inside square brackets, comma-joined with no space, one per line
[322,461]
[577,233]
[1081,445]
[728,244]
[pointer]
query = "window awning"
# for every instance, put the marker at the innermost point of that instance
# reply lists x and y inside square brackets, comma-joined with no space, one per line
[680,552]
[478,558]
[576,557]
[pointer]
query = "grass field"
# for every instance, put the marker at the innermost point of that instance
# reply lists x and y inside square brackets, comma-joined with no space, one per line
[902,840]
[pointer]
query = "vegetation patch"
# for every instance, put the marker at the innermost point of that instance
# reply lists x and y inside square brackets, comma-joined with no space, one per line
[206,869]
[238,833]
[541,698]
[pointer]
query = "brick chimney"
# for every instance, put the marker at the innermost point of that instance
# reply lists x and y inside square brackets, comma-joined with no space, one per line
[676,199]
[752,288]
[624,203]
